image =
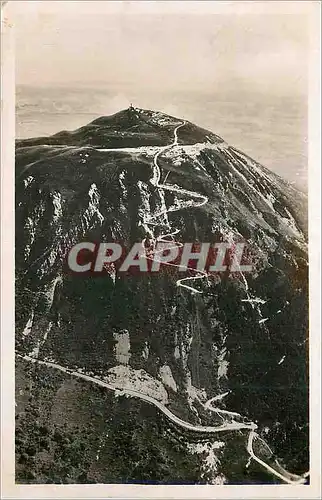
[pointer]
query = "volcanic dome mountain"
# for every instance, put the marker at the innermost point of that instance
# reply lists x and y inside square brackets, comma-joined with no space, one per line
[243,337]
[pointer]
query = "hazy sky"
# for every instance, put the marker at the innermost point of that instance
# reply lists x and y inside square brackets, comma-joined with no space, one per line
[260,45]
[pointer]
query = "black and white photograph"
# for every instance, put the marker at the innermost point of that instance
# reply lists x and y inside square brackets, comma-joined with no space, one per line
[160,246]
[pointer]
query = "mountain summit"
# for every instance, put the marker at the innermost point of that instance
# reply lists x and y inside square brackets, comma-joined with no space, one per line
[240,341]
[130,127]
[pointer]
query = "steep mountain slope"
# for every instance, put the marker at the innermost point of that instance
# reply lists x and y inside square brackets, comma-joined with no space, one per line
[243,338]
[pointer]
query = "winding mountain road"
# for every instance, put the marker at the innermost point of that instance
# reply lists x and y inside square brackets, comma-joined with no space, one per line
[288,480]
[155,220]
[232,426]
[144,397]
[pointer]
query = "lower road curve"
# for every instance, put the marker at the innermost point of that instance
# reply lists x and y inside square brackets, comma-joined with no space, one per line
[232,426]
